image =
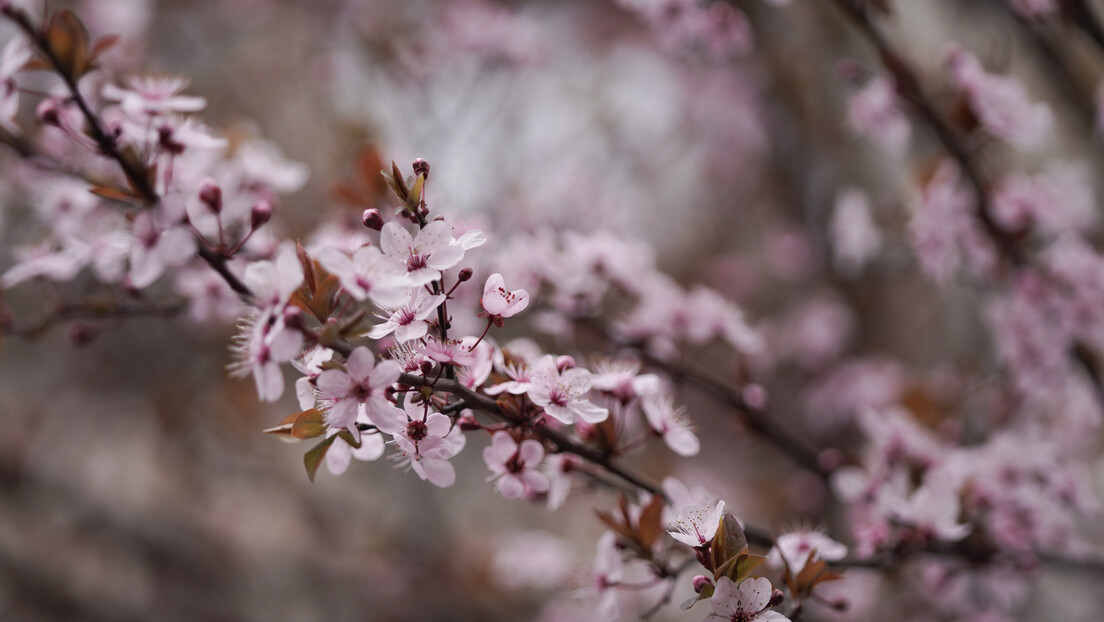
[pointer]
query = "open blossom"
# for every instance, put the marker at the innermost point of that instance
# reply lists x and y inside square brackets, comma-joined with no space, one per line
[367,274]
[340,452]
[157,247]
[874,111]
[425,255]
[515,465]
[363,382]
[153,95]
[265,341]
[1001,103]
[409,320]
[15,55]
[563,395]
[671,423]
[606,573]
[499,302]
[795,548]
[426,445]
[696,524]
[747,602]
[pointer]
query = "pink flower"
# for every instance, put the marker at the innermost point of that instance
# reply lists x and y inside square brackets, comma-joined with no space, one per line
[696,524]
[606,573]
[514,465]
[409,320]
[797,548]
[874,111]
[16,54]
[747,602]
[153,95]
[361,383]
[671,424]
[340,453]
[562,395]
[426,445]
[1001,103]
[452,351]
[855,236]
[263,343]
[157,246]
[498,302]
[424,256]
[367,275]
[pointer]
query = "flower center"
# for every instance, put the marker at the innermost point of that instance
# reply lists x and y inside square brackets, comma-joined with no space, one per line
[416,430]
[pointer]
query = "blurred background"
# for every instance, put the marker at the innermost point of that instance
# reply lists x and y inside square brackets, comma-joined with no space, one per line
[135,483]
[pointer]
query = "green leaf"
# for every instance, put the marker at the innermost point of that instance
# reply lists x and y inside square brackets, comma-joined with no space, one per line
[313,458]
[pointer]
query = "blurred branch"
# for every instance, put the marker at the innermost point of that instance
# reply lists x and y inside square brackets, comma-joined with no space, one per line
[92,309]
[759,421]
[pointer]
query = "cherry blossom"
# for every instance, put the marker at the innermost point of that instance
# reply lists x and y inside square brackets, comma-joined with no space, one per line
[153,95]
[409,320]
[15,55]
[672,424]
[746,602]
[696,524]
[367,275]
[499,302]
[362,383]
[427,443]
[562,395]
[796,548]
[1000,102]
[514,466]
[874,111]
[424,256]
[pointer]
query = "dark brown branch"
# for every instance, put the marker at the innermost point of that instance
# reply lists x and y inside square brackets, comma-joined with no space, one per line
[93,309]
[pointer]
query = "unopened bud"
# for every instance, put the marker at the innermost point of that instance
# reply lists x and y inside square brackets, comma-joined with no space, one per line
[260,214]
[372,219]
[465,275]
[700,582]
[293,317]
[564,362]
[421,167]
[211,195]
[776,598]
[47,112]
[468,422]
[426,367]
[755,396]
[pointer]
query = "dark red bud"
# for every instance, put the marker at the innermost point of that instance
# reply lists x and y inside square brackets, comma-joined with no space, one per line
[260,214]
[293,317]
[465,275]
[211,195]
[421,167]
[47,113]
[426,367]
[468,422]
[372,219]
[776,598]
[700,582]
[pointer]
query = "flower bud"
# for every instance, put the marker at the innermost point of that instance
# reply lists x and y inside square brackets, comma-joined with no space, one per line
[564,362]
[211,195]
[776,598]
[426,368]
[700,582]
[468,422]
[260,214]
[47,113]
[465,275]
[755,396]
[421,167]
[372,219]
[293,317]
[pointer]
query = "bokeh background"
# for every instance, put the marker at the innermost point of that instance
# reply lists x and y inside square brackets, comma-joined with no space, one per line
[135,483]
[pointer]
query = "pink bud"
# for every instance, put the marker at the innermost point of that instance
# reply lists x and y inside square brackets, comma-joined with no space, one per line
[468,422]
[465,275]
[47,113]
[700,582]
[776,598]
[755,396]
[421,167]
[211,195]
[372,219]
[260,214]
[564,362]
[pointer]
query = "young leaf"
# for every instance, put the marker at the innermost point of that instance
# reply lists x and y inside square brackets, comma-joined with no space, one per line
[313,458]
[67,42]
[308,424]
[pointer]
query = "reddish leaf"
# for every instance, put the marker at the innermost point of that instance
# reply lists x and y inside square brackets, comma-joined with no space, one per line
[313,458]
